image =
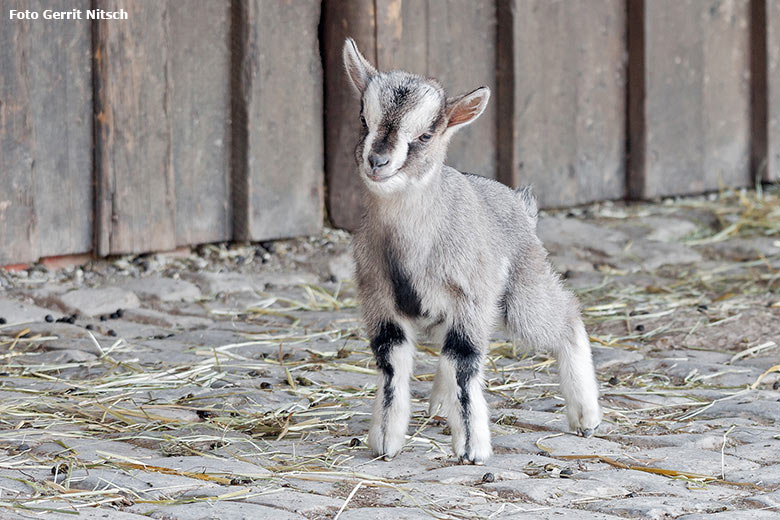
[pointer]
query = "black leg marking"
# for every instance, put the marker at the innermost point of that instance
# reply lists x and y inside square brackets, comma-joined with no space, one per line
[387,337]
[406,298]
[459,348]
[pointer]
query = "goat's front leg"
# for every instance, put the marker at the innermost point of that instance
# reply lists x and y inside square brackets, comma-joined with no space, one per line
[459,390]
[393,349]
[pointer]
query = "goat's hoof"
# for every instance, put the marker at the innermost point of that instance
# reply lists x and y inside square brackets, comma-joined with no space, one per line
[587,432]
[387,458]
[385,445]
[465,460]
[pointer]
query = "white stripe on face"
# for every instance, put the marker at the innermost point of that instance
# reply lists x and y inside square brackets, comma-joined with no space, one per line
[415,118]
[418,120]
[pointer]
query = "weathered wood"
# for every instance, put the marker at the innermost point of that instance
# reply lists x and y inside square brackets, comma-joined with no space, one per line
[402,35]
[340,19]
[18,226]
[200,107]
[695,112]
[135,206]
[280,194]
[758,89]
[772,171]
[564,128]
[462,56]
[199,98]
[45,134]
[506,132]
[163,126]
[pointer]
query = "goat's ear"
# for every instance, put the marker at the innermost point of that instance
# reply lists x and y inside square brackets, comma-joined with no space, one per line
[358,68]
[462,110]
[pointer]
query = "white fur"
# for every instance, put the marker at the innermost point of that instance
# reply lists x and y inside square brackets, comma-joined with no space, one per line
[358,68]
[578,384]
[418,119]
[387,433]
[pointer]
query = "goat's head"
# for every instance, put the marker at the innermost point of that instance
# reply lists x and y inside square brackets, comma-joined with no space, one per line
[406,123]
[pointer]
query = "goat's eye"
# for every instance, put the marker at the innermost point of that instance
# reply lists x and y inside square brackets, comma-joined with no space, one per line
[363,122]
[425,137]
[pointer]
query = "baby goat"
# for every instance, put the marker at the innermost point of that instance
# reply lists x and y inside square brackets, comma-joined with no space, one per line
[450,254]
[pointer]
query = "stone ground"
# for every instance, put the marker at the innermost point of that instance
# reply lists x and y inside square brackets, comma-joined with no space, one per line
[236,382]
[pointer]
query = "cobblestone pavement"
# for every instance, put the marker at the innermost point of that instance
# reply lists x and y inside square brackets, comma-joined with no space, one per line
[235,382]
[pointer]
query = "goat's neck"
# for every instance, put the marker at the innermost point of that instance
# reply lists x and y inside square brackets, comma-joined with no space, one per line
[413,213]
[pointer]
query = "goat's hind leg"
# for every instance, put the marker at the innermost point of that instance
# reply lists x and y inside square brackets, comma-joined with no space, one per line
[542,314]
[393,349]
[578,379]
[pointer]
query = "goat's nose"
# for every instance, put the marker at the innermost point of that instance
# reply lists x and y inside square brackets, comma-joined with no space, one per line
[377,161]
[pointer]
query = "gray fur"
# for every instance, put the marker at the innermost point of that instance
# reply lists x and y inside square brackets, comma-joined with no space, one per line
[467,249]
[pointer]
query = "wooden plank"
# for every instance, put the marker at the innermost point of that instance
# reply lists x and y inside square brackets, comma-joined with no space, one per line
[340,19]
[758,90]
[135,206]
[637,145]
[462,56]
[772,171]
[696,106]
[278,188]
[45,134]
[402,35]
[18,226]
[563,129]
[199,97]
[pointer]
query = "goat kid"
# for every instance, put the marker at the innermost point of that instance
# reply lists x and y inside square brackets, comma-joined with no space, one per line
[450,255]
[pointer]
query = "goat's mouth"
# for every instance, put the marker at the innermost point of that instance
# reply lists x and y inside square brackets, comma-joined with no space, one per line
[380,177]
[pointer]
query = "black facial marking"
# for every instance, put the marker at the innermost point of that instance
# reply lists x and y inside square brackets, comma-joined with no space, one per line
[459,348]
[388,336]
[406,298]
[414,148]
[401,94]
[437,122]
[395,106]
[385,141]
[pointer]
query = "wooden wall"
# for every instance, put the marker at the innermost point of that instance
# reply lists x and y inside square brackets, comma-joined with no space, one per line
[690,111]
[563,99]
[45,135]
[197,122]
[152,100]
[279,191]
[165,99]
